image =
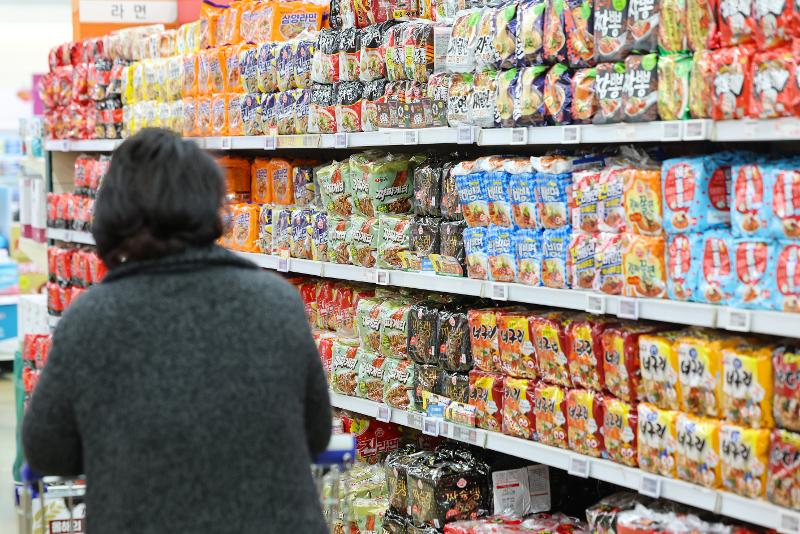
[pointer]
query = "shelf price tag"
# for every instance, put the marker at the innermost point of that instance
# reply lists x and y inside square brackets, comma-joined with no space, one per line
[340,141]
[738,320]
[430,426]
[270,142]
[414,420]
[495,291]
[671,131]
[695,130]
[63,145]
[595,304]
[628,132]
[444,427]
[570,135]
[225,143]
[628,309]
[283,265]
[519,136]
[384,414]
[411,137]
[468,435]
[465,135]
[370,276]
[650,486]
[789,523]
[382,277]
[579,466]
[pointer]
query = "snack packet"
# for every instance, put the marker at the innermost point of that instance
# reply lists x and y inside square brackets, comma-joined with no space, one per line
[584,95]
[770,25]
[482,100]
[611,30]
[476,250]
[585,422]
[338,249]
[454,341]
[484,339]
[344,367]
[497,194]
[459,57]
[423,343]
[370,376]
[319,236]
[733,17]
[731,81]
[390,184]
[528,257]
[620,426]
[643,25]
[518,400]
[642,201]
[550,412]
[398,380]
[325,62]
[459,104]
[474,202]
[775,90]
[621,367]
[300,233]
[552,199]
[657,440]
[265,230]
[684,263]
[507,82]
[281,231]
[697,451]
[558,94]
[529,100]
[486,393]
[517,353]
[786,290]
[782,475]
[640,93]
[335,188]
[555,251]
[782,181]
[394,328]
[672,30]
[424,236]
[673,87]
[393,238]
[753,258]
[481,44]
[643,266]
[550,340]
[609,84]
[348,106]
[363,240]
[554,32]
[701,84]
[701,24]
[502,264]
[747,383]
[579,28]
[505,36]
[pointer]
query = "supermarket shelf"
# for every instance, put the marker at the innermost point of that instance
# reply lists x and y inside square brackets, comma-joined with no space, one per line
[70,236]
[686,313]
[786,129]
[9,300]
[721,502]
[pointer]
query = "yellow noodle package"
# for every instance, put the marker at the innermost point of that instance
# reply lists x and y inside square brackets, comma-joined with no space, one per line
[657,440]
[658,361]
[747,386]
[700,361]
[697,450]
[744,453]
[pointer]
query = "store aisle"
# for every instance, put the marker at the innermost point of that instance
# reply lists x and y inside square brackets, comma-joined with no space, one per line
[8,522]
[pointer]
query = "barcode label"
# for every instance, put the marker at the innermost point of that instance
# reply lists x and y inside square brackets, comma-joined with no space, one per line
[467,435]
[382,277]
[414,421]
[340,141]
[465,133]
[519,136]
[283,265]
[225,143]
[270,142]
[498,291]
[411,137]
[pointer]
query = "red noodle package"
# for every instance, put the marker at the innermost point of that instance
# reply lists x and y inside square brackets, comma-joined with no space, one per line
[621,360]
[585,421]
[484,339]
[734,28]
[775,92]
[517,354]
[585,351]
[486,394]
[550,340]
[550,411]
[732,82]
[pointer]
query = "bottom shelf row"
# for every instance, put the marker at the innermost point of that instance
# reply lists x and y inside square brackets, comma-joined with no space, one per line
[753,511]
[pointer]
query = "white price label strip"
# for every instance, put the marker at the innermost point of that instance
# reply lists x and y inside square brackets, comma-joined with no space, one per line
[496,291]
[430,426]
[340,141]
[596,304]
[695,130]
[270,142]
[579,466]
[739,320]
[283,265]
[789,523]
[225,143]
[384,414]
[444,428]
[650,486]
[382,277]
[570,135]
[414,420]
[628,309]
[671,131]
[370,276]
[519,136]
[469,435]
[465,135]
[411,137]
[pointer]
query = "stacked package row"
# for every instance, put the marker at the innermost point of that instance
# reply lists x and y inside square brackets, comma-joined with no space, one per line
[71,272]
[73,211]
[35,349]
[690,403]
[733,225]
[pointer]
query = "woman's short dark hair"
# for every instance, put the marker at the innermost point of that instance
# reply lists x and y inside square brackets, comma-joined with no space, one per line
[161,195]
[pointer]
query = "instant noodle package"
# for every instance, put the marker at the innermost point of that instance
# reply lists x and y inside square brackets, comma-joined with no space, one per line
[744,454]
[697,450]
[786,403]
[550,412]
[517,354]
[747,385]
[585,421]
[549,334]
[487,394]
[619,431]
[783,474]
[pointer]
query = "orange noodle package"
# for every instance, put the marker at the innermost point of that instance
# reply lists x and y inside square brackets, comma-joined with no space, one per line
[620,425]
[642,200]
[611,30]
[550,341]
[190,117]
[584,96]
[261,186]
[555,37]
[484,339]
[701,24]
[660,369]
[518,401]
[673,87]
[732,82]
[697,451]
[235,124]
[786,401]
[579,27]
[775,90]
[245,228]
[640,93]
[734,28]
[771,28]
[189,75]
[550,412]
[486,393]
[204,116]
[585,351]
[621,368]
[745,457]
[643,266]
[219,115]
[558,95]
[783,476]
[657,440]
[747,385]
[517,353]
[701,85]
[280,180]
[585,422]
[609,85]
[672,27]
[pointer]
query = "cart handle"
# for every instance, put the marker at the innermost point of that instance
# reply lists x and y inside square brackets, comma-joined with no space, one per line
[341,449]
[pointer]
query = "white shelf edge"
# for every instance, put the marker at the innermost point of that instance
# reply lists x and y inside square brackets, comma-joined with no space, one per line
[783,129]
[9,300]
[671,311]
[70,236]
[754,511]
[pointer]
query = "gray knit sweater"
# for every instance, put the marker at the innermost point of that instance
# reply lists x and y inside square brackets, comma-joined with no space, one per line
[189,391]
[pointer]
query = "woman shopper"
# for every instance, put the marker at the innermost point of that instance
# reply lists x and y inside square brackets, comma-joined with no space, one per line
[186,386]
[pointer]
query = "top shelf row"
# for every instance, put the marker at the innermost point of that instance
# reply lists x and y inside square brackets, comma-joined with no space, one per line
[786,129]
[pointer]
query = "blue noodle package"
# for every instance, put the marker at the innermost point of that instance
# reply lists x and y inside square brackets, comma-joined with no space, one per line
[502,264]
[783,192]
[555,249]
[683,265]
[716,279]
[498,197]
[552,199]
[475,248]
[786,271]
[474,202]
[529,256]
[522,191]
[748,201]
[754,283]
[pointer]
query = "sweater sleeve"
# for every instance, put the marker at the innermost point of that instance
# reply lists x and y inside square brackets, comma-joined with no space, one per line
[50,435]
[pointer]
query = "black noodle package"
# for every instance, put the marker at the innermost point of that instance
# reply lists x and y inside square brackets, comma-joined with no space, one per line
[427,181]
[349,55]
[451,247]
[422,341]
[425,235]
[374,93]
[453,334]
[450,485]
[394,523]
[426,379]
[450,206]
[396,466]
[454,386]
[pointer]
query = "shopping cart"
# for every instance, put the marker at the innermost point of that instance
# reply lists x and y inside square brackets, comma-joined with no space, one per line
[331,471]
[50,505]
